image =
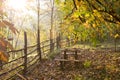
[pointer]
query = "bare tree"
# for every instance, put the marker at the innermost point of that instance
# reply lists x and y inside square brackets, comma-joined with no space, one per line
[52,26]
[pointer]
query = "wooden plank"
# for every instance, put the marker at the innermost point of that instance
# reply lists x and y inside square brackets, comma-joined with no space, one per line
[71,49]
[22,77]
[67,60]
[62,60]
[71,53]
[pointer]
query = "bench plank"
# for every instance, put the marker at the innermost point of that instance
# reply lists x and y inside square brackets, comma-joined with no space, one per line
[74,60]
[63,61]
[71,49]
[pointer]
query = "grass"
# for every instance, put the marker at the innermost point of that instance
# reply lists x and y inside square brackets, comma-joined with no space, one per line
[78,77]
[87,64]
[53,54]
[102,45]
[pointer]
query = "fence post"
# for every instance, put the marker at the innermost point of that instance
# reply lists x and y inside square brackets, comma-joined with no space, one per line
[38,45]
[51,45]
[25,55]
[58,41]
[43,48]
[51,41]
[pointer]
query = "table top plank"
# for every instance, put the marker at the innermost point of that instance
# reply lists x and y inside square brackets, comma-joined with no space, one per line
[71,49]
[67,60]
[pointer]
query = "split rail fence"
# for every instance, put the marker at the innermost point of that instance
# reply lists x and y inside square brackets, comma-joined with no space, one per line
[24,60]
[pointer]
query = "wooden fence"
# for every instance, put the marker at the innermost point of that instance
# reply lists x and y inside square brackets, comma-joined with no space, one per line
[24,60]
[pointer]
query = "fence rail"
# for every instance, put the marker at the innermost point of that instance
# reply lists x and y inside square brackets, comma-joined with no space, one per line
[22,60]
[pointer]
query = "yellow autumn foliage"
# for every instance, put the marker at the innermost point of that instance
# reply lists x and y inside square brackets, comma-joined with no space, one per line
[116,36]
[78,3]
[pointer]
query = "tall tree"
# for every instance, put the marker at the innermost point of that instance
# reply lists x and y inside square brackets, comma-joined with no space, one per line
[52,26]
[97,16]
[38,37]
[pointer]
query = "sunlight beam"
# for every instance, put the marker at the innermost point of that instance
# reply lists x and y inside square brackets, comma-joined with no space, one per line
[17,4]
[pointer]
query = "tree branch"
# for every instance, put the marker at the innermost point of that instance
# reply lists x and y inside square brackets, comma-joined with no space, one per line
[77,9]
[74,8]
[75,4]
[110,12]
[70,13]
[111,21]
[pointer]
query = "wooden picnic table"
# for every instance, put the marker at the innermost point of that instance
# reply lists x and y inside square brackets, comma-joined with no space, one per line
[65,58]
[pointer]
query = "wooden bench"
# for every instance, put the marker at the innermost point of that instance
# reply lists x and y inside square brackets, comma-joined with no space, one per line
[63,62]
[73,50]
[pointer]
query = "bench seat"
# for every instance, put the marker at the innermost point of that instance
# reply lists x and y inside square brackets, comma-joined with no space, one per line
[63,61]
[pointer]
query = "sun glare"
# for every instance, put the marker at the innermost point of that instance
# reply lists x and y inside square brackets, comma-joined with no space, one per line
[17,4]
